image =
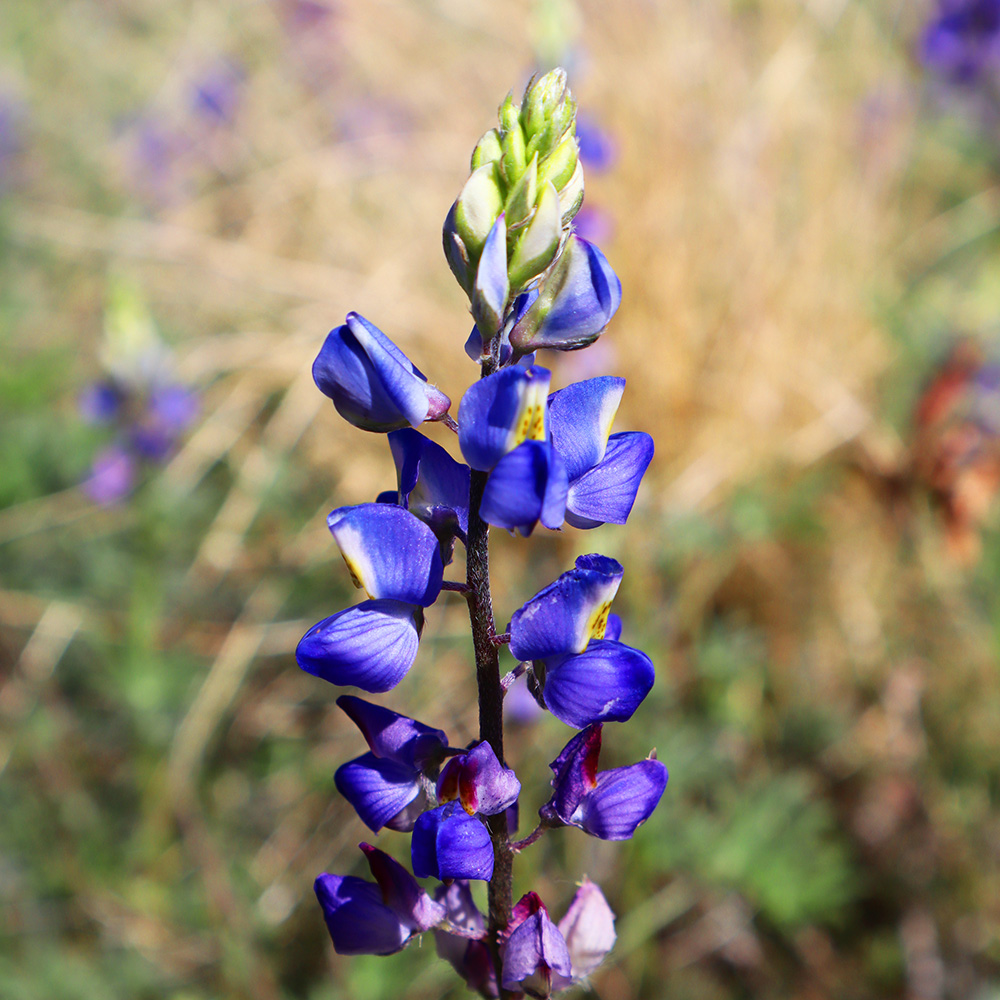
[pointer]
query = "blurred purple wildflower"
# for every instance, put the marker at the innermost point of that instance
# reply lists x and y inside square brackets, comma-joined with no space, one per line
[962,41]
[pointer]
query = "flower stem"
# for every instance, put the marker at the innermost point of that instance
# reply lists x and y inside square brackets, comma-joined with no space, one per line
[500,891]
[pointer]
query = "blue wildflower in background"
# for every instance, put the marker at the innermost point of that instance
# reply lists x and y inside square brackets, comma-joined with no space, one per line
[531,454]
[962,40]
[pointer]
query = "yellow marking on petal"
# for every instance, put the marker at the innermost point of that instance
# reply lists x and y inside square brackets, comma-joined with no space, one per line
[598,623]
[467,796]
[355,572]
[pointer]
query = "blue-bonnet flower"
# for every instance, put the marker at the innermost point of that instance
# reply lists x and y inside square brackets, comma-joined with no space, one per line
[609,805]
[432,486]
[386,786]
[962,41]
[374,385]
[535,951]
[449,843]
[395,558]
[375,918]
[575,302]
[598,149]
[604,470]
[478,781]
[588,929]
[460,938]
[579,674]
[112,476]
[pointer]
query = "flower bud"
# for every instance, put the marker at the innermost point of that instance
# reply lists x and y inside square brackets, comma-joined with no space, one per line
[488,150]
[469,222]
[546,102]
[575,303]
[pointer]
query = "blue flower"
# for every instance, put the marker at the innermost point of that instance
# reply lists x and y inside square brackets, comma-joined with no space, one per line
[374,385]
[597,146]
[449,843]
[527,485]
[466,950]
[609,805]
[375,918]
[962,42]
[579,674]
[604,471]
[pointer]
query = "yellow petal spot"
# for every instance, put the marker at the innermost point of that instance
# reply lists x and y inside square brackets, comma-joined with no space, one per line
[355,572]
[598,623]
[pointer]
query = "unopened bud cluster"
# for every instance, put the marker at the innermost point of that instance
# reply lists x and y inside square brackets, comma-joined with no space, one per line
[531,455]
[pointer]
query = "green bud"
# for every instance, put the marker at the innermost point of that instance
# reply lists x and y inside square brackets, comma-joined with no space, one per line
[487,150]
[521,200]
[508,114]
[543,100]
[538,244]
[571,196]
[477,208]
[514,158]
[560,164]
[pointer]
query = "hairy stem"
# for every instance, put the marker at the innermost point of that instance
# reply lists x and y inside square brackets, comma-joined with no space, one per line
[490,700]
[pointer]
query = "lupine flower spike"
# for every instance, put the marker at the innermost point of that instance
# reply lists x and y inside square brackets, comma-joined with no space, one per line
[533,456]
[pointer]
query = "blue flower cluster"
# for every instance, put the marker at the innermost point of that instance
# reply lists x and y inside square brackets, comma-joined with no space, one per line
[531,455]
[962,41]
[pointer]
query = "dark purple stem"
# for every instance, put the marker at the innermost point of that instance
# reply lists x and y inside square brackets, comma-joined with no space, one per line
[500,890]
[519,845]
[456,585]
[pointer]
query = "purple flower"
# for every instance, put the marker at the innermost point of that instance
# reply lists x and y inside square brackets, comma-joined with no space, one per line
[962,42]
[100,402]
[527,485]
[535,949]
[609,805]
[215,94]
[375,918]
[598,150]
[479,781]
[112,476]
[449,843]
[372,383]
[594,224]
[386,785]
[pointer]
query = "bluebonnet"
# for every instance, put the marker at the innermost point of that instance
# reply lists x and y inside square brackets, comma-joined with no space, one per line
[531,456]
[962,40]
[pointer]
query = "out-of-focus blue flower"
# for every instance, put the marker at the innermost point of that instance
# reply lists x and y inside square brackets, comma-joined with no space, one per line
[479,781]
[100,402]
[609,805]
[432,486]
[375,918]
[535,949]
[112,476]
[962,42]
[215,94]
[576,301]
[465,951]
[589,931]
[604,469]
[577,673]
[372,383]
[598,149]
[594,224]
[449,843]
[12,121]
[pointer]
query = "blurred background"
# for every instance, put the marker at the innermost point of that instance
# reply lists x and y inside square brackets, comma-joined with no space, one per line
[802,200]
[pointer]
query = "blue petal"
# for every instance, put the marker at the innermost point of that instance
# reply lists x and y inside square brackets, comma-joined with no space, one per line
[389,552]
[448,843]
[401,892]
[564,616]
[358,921]
[614,629]
[606,683]
[535,946]
[500,411]
[607,492]
[572,311]
[622,800]
[479,781]
[377,787]
[489,295]
[528,485]
[434,486]
[370,646]
[389,734]
[574,775]
[372,383]
[477,350]
[580,419]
